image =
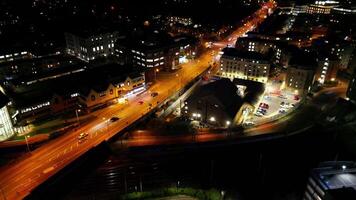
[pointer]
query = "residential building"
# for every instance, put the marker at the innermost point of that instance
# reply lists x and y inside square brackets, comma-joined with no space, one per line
[300,73]
[332,181]
[245,65]
[280,50]
[328,66]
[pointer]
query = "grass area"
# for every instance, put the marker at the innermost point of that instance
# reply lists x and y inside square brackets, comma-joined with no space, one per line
[50,126]
[42,130]
[211,194]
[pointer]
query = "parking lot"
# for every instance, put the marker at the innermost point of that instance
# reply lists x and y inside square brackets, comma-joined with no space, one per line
[273,105]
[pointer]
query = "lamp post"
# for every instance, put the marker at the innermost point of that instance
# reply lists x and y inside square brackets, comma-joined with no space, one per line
[77,115]
[156,71]
[28,146]
[222,194]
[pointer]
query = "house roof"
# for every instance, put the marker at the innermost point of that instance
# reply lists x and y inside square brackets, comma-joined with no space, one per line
[225,92]
[97,79]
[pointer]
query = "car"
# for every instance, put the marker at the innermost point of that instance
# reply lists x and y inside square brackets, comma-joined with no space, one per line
[264,105]
[282,111]
[140,102]
[154,94]
[267,97]
[258,114]
[282,96]
[248,123]
[261,110]
[114,119]
[82,136]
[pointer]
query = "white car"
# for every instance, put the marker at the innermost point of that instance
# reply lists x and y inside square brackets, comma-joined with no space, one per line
[248,123]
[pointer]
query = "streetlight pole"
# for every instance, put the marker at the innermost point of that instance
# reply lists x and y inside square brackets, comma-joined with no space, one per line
[28,146]
[76,113]
[156,71]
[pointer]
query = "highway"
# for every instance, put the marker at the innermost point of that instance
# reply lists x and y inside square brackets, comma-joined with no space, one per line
[19,178]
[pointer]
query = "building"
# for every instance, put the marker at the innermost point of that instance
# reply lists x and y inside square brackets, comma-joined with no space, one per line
[88,90]
[186,21]
[332,181]
[224,102]
[118,90]
[322,7]
[280,51]
[31,70]
[89,46]
[8,56]
[216,103]
[343,49]
[154,49]
[6,127]
[300,73]
[244,65]
[351,91]
[328,66]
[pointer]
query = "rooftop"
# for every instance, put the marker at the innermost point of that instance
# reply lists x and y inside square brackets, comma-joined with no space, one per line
[335,175]
[97,79]
[233,52]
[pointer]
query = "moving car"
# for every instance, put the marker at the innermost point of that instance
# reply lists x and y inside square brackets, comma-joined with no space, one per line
[82,136]
[114,119]
[154,94]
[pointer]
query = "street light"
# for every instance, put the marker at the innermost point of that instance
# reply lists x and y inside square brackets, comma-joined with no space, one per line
[156,71]
[28,146]
[222,194]
[76,113]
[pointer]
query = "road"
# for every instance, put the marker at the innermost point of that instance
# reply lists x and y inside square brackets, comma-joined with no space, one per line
[19,178]
[284,125]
